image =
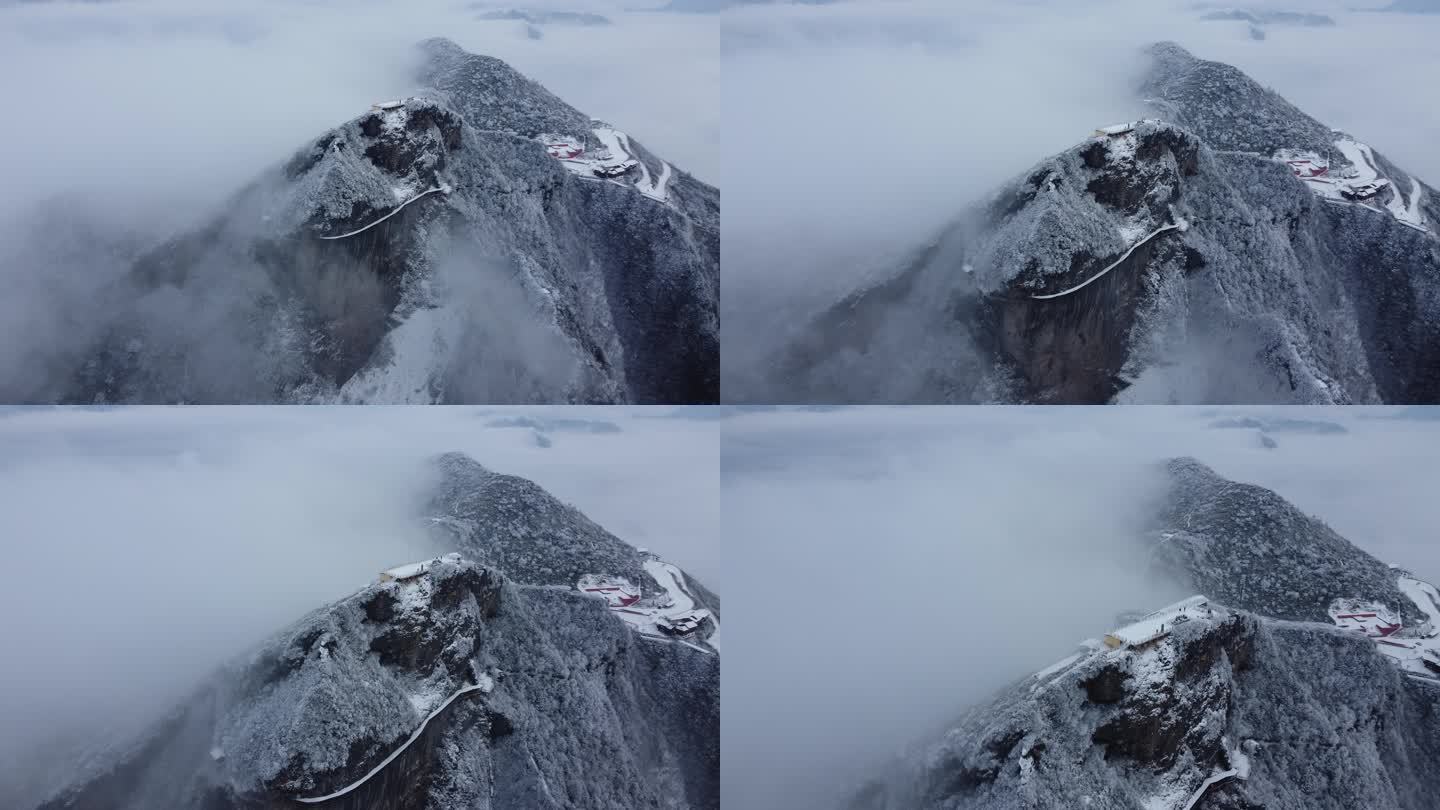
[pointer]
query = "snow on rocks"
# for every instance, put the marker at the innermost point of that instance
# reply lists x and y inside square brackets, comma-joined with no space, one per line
[1426,597]
[1180,225]
[443,188]
[1044,677]
[1406,209]
[417,353]
[416,569]
[1371,618]
[616,591]
[401,749]
[1215,779]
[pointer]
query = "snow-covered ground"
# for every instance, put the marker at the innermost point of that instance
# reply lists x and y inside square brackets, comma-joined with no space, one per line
[1426,597]
[677,602]
[1406,208]
[615,151]
[616,591]
[1410,652]
[654,189]
[443,189]
[1044,676]
[1159,623]
[1412,646]
[1363,171]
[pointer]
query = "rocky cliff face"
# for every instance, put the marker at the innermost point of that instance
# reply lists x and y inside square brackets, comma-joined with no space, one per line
[428,251]
[1299,715]
[1178,260]
[459,687]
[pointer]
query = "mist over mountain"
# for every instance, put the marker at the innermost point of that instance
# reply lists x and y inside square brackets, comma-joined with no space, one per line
[1253,698]
[471,238]
[986,554]
[449,684]
[1176,259]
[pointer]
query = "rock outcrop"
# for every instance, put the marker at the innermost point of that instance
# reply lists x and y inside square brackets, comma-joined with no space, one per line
[1283,715]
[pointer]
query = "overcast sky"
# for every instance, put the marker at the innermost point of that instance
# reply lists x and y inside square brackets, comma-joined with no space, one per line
[147,545]
[890,566]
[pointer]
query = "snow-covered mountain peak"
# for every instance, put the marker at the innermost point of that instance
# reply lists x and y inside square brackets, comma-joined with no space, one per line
[444,684]
[1229,248]
[1303,674]
[431,249]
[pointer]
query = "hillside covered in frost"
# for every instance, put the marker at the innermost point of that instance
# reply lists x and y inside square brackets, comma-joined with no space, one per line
[1248,547]
[1229,248]
[444,685]
[1232,706]
[450,246]
[497,518]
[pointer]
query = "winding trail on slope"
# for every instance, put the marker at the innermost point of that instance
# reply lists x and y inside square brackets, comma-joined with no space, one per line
[1163,228]
[398,751]
[443,189]
[1207,784]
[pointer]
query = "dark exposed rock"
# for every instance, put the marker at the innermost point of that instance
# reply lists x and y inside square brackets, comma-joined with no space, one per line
[564,707]
[381,608]
[1106,685]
